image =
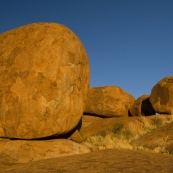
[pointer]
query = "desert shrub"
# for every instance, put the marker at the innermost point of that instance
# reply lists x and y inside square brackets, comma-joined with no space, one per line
[127,134]
[120,135]
[170,118]
[133,130]
[102,133]
[170,152]
[135,126]
[146,122]
[113,130]
[158,122]
[117,128]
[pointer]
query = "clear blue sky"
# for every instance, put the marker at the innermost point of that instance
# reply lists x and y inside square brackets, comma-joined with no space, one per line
[129,42]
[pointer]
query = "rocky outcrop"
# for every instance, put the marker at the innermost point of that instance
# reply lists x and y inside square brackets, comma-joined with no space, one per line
[23,151]
[142,107]
[109,101]
[161,96]
[102,125]
[44,80]
[159,139]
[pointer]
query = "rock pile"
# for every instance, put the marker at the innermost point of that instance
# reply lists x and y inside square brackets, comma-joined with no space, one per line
[44,91]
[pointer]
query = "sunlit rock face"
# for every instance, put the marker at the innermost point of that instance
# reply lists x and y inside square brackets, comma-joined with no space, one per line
[44,79]
[109,101]
[161,96]
[23,151]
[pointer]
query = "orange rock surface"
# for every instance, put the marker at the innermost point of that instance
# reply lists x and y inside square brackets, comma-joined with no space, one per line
[142,107]
[161,96]
[44,79]
[109,101]
[23,151]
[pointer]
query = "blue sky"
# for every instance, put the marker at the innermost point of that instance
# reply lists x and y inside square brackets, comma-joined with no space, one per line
[129,42]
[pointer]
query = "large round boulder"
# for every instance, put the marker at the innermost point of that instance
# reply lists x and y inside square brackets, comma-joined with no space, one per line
[109,101]
[142,107]
[161,96]
[44,74]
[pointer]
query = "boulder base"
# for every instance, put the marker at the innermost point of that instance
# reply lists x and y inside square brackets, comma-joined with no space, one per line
[23,151]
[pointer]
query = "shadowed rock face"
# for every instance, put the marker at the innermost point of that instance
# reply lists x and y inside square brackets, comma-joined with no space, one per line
[109,101]
[142,107]
[161,96]
[44,74]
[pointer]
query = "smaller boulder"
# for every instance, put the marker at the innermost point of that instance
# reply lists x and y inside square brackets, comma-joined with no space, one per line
[76,137]
[142,107]
[109,101]
[23,151]
[161,96]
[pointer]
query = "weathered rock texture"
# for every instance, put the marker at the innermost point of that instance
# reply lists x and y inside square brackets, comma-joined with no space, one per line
[109,101]
[161,96]
[22,151]
[1,130]
[44,74]
[142,107]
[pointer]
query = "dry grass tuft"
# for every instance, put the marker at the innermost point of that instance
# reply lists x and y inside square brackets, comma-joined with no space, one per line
[120,135]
